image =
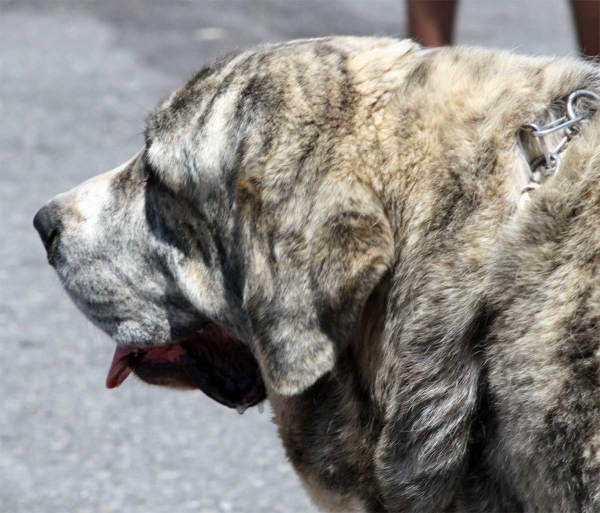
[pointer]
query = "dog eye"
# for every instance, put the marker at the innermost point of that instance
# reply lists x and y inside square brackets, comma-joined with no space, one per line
[148,171]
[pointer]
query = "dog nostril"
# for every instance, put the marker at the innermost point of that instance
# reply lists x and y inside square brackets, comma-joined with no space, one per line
[45,226]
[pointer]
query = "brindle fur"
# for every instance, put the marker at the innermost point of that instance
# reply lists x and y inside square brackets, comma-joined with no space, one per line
[350,208]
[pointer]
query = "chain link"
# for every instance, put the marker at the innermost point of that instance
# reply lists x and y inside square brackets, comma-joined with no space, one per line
[548,164]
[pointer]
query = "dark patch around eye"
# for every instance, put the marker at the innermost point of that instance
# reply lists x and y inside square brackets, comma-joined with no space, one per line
[147,139]
[144,159]
[147,170]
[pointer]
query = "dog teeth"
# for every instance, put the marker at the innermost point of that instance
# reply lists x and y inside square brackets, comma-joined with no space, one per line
[261,407]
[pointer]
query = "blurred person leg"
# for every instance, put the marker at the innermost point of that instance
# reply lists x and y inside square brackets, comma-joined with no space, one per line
[587,20]
[432,21]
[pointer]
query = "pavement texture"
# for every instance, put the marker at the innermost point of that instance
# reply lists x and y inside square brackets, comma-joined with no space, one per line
[77,80]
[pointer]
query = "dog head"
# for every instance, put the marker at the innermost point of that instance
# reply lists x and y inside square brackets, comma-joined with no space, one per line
[234,245]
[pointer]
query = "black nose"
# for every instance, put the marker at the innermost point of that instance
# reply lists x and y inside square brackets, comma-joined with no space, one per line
[46,226]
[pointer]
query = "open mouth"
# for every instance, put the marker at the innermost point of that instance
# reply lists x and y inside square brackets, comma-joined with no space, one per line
[211,360]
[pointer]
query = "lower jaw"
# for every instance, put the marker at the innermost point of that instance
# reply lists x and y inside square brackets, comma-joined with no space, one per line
[186,375]
[170,376]
[211,360]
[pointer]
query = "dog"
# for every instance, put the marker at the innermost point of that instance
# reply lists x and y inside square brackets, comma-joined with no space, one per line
[340,225]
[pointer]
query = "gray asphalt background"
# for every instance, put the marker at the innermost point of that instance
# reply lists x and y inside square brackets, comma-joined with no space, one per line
[77,79]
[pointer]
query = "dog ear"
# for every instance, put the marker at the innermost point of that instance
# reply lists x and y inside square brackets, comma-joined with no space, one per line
[314,265]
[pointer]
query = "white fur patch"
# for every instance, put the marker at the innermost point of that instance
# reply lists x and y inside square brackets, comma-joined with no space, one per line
[88,200]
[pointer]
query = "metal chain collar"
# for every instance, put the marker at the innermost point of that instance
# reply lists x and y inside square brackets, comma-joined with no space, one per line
[548,164]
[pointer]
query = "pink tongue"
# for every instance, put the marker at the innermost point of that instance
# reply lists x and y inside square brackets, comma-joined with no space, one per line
[119,368]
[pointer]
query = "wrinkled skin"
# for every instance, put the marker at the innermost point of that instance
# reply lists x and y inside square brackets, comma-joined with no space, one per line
[122,255]
[113,261]
[338,224]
